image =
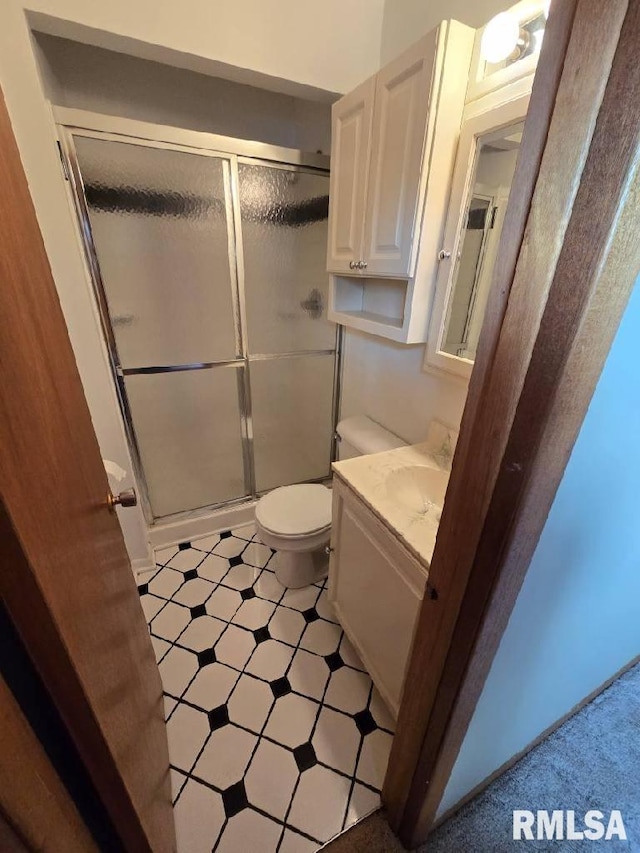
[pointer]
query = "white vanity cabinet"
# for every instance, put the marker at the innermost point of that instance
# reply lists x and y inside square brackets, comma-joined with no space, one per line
[393,145]
[376,587]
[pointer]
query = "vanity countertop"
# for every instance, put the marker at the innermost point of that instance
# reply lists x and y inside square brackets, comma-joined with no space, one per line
[368,477]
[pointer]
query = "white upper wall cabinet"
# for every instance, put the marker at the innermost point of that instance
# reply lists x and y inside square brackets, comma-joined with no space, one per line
[350,150]
[393,146]
[402,95]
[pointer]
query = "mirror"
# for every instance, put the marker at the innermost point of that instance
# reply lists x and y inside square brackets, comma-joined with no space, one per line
[491,176]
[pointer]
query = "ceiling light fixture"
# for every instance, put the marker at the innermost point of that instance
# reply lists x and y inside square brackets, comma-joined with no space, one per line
[503,38]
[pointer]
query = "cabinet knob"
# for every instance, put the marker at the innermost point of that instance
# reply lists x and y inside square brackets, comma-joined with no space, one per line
[444,255]
[362,265]
[353,265]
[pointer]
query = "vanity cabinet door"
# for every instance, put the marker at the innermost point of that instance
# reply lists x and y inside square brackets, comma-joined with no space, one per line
[351,118]
[403,93]
[376,588]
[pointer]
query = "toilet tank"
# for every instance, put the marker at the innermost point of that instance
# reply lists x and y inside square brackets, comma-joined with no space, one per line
[359,435]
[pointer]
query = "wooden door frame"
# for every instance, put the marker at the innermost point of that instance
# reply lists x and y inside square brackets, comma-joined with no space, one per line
[561,282]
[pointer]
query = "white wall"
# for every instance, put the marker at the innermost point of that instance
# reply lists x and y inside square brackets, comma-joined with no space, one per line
[283,45]
[92,78]
[382,379]
[385,380]
[406,20]
[286,45]
[331,46]
[575,623]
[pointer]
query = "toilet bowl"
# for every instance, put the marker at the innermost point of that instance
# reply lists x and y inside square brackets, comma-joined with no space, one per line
[296,520]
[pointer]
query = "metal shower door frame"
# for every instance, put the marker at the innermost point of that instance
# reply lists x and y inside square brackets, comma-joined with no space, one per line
[94,126]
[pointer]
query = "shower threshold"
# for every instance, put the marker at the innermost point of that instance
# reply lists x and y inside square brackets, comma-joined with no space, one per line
[202,522]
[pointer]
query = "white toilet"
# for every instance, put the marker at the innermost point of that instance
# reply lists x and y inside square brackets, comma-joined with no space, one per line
[296,520]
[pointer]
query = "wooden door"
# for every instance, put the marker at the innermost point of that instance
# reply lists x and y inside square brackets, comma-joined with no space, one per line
[403,93]
[65,576]
[32,795]
[10,841]
[351,120]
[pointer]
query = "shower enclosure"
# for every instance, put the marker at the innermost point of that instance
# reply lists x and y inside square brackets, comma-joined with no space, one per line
[209,270]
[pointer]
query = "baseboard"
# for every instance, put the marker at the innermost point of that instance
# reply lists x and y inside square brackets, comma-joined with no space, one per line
[479,788]
[142,565]
[186,528]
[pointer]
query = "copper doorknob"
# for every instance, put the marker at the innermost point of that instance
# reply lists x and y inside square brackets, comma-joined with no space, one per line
[126,498]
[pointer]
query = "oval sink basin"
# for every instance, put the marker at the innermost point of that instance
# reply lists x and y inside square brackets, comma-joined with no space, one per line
[418,488]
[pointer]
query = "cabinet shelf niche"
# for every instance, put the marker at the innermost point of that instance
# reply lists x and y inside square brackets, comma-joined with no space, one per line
[374,305]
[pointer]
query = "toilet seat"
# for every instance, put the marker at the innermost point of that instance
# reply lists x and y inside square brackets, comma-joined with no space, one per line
[294,511]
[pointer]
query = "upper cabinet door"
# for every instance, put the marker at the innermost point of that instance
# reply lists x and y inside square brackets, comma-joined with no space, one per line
[350,151]
[403,93]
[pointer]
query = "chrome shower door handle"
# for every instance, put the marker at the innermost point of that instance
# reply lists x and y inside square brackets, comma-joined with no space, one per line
[313,304]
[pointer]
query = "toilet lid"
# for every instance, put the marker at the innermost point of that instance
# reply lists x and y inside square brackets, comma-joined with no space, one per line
[295,510]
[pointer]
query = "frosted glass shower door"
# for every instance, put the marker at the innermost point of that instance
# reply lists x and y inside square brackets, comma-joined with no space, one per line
[187,426]
[162,234]
[291,344]
[293,419]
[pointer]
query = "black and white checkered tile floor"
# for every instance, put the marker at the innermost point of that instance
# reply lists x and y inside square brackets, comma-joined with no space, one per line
[277,739]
